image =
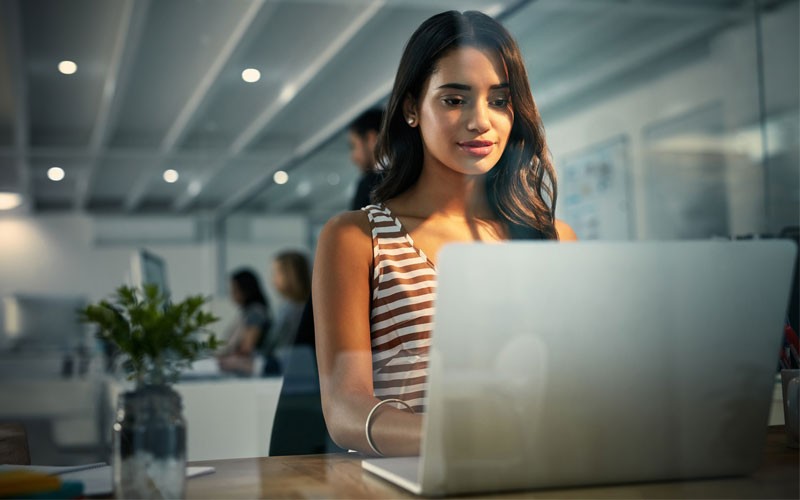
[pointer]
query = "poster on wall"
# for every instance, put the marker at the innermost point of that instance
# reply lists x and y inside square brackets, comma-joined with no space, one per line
[593,191]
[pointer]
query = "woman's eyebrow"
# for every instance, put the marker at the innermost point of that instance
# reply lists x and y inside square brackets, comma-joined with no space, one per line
[461,86]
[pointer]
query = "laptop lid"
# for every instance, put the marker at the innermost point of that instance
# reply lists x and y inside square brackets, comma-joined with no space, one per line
[556,365]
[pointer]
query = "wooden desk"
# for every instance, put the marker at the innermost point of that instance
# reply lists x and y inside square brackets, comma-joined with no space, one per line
[341,476]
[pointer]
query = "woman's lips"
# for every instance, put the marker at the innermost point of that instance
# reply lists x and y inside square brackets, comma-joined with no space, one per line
[477,148]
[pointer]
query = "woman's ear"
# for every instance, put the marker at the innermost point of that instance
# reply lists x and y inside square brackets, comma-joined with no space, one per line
[410,111]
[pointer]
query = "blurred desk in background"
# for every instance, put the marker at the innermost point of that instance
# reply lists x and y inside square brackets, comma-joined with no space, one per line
[341,476]
[68,420]
[229,417]
[226,417]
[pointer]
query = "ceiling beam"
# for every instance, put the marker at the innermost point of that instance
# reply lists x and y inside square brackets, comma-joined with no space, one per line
[548,49]
[291,196]
[312,171]
[12,21]
[126,46]
[190,111]
[149,155]
[637,8]
[247,192]
[441,5]
[549,95]
[290,90]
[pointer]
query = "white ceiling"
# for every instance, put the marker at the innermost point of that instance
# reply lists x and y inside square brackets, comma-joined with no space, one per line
[158,86]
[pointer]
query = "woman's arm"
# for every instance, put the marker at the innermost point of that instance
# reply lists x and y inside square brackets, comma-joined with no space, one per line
[341,290]
[565,232]
[238,354]
[250,334]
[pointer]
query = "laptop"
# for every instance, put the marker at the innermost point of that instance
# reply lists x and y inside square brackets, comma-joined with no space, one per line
[564,365]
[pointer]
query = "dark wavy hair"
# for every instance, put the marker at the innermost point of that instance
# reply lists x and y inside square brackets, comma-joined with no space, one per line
[249,286]
[521,187]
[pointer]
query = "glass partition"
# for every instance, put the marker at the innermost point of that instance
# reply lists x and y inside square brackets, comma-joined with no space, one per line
[666,120]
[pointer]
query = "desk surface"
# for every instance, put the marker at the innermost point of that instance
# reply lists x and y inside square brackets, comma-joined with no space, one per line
[341,476]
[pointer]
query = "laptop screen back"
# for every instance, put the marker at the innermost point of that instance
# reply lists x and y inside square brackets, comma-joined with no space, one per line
[557,365]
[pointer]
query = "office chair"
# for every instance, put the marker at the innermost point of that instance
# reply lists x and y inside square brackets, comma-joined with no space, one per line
[299,426]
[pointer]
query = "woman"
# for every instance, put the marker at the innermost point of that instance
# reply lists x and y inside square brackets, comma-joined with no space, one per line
[464,159]
[249,328]
[291,277]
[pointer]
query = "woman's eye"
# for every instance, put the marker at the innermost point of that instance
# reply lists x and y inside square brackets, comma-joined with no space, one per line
[453,101]
[500,103]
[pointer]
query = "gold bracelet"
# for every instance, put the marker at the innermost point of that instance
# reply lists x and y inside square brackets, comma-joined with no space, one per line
[369,418]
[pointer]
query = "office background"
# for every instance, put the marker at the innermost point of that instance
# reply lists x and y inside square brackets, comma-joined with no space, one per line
[667,119]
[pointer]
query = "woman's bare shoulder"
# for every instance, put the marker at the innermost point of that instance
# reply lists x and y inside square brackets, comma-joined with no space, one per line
[355,221]
[565,232]
[347,229]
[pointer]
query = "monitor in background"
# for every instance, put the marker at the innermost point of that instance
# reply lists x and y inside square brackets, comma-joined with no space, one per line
[44,322]
[149,268]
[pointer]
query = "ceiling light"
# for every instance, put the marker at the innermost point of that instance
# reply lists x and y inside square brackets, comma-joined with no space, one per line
[303,189]
[251,75]
[67,67]
[170,176]
[334,179]
[55,173]
[280,177]
[9,201]
[194,187]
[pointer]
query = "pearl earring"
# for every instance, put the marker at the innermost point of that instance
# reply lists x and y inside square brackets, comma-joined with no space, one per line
[411,121]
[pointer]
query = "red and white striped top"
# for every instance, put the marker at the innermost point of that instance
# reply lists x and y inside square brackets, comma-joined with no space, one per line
[401,317]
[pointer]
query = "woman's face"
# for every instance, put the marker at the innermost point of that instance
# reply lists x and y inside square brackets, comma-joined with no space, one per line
[464,112]
[278,277]
[236,293]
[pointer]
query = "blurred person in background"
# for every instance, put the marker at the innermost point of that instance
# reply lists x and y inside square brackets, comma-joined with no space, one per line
[299,426]
[250,327]
[291,277]
[363,137]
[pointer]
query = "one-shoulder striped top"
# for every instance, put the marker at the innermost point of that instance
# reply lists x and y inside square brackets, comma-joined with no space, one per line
[401,316]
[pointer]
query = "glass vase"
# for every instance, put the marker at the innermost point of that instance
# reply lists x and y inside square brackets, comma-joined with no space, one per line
[150,444]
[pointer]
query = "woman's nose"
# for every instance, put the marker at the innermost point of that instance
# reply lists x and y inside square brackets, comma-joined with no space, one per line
[479,118]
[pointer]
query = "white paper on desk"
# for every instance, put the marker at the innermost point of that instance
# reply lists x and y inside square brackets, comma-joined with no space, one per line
[199,471]
[97,479]
[53,470]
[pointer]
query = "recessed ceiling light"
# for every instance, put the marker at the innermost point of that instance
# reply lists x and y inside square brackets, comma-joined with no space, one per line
[171,175]
[251,75]
[280,177]
[10,201]
[304,189]
[334,179]
[67,67]
[55,173]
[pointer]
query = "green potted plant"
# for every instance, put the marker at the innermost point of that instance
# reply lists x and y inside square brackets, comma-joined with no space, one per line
[156,338]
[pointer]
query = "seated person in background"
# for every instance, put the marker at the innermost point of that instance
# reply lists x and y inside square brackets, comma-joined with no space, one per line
[252,325]
[464,158]
[291,277]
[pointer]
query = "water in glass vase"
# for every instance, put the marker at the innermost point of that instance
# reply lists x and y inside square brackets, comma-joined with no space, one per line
[150,444]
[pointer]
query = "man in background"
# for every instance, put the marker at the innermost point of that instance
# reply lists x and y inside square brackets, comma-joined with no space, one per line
[363,136]
[299,426]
